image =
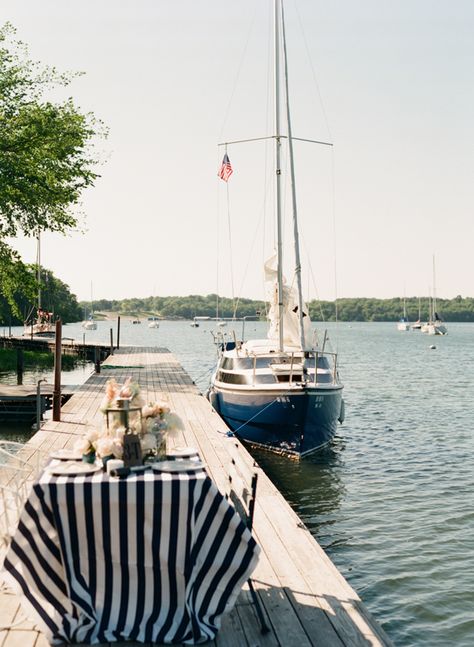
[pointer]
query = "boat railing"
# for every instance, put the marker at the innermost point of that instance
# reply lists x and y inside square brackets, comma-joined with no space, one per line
[296,366]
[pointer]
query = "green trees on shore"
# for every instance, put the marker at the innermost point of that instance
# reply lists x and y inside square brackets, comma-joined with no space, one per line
[56,298]
[355,309]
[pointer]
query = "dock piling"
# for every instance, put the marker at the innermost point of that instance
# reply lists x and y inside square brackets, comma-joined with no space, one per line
[57,373]
[19,365]
[111,341]
[97,359]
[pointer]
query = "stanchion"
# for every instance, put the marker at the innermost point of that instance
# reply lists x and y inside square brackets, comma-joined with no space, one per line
[118,331]
[111,341]
[57,372]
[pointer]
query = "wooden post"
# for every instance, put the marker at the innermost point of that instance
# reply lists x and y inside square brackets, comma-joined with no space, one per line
[111,341]
[97,359]
[39,408]
[19,365]
[118,331]
[57,372]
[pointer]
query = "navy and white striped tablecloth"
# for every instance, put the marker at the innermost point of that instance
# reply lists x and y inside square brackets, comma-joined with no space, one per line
[156,557]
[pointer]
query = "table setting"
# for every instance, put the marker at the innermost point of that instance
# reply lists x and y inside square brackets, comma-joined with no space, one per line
[128,549]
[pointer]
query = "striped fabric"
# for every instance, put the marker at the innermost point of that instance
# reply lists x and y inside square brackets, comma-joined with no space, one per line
[154,558]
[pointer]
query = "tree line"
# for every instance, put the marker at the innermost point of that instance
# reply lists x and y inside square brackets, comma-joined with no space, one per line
[348,309]
[57,298]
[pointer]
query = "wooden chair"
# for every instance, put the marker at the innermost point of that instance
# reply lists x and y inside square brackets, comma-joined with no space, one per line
[242,490]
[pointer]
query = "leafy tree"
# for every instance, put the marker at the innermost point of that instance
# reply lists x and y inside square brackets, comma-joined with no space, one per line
[56,297]
[46,156]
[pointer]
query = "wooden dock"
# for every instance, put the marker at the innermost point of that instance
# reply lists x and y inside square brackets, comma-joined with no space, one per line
[305,598]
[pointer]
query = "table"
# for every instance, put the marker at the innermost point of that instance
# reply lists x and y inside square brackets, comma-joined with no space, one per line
[156,557]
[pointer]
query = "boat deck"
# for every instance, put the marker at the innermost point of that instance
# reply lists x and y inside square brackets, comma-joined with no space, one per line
[305,598]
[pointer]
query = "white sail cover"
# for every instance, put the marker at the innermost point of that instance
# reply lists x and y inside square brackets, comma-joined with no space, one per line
[291,321]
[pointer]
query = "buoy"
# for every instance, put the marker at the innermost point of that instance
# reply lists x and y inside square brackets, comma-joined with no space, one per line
[432,347]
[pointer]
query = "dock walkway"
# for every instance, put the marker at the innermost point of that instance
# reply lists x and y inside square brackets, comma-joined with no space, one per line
[305,598]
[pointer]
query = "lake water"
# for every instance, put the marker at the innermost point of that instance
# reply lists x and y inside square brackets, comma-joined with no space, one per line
[391,500]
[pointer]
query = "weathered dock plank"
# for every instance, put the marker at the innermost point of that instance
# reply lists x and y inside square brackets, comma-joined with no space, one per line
[305,599]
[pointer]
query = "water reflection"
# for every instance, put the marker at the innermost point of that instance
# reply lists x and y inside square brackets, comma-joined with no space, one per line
[313,487]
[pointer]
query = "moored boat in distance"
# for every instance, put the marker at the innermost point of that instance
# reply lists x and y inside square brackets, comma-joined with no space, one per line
[282,393]
[89,323]
[403,325]
[153,322]
[41,323]
[435,325]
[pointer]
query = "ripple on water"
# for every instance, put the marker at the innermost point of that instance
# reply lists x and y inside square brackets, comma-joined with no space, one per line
[391,499]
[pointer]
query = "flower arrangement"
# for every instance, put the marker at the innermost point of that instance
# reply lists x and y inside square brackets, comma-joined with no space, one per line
[151,422]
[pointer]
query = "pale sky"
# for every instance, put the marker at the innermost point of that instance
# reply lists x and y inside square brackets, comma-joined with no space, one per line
[173,78]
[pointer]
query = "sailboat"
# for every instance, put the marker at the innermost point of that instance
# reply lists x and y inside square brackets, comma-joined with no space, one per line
[435,325]
[90,323]
[417,324]
[282,393]
[39,323]
[154,322]
[404,325]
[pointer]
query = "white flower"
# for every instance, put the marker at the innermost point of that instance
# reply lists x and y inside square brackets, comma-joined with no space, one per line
[105,446]
[148,411]
[83,446]
[117,449]
[120,433]
[92,435]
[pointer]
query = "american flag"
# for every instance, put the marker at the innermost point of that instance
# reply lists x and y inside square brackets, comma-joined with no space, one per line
[225,170]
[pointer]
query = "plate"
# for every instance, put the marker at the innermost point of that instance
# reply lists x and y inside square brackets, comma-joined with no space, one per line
[177,466]
[182,452]
[66,455]
[73,468]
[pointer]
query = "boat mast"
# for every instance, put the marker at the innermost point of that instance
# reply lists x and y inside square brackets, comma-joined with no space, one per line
[278,171]
[293,189]
[434,291]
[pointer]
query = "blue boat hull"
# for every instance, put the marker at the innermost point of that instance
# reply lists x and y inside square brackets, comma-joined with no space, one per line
[295,424]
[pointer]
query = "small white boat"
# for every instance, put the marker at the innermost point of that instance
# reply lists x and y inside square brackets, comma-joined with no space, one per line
[435,326]
[153,324]
[404,325]
[90,324]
